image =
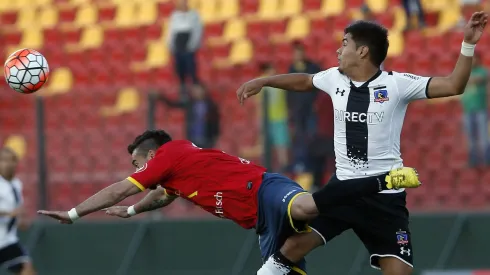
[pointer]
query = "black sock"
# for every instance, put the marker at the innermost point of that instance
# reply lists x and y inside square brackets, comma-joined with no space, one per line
[278,257]
[341,192]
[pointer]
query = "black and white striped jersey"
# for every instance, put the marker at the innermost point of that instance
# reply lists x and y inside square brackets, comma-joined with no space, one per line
[369,118]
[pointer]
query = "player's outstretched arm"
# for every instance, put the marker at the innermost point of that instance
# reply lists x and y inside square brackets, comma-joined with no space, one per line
[455,83]
[291,82]
[155,199]
[107,197]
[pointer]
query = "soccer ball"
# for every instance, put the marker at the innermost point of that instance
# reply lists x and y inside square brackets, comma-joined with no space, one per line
[26,71]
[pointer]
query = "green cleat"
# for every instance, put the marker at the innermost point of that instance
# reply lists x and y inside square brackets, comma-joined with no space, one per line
[404,177]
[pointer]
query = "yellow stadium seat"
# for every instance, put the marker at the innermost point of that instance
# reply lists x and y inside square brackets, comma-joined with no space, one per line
[194,4]
[32,38]
[400,19]
[329,8]
[92,37]
[26,18]
[241,52]
[42,3]
[436,5]
[60,81]
[79,2]
[235,29]
[147,13]
[157,55]
[291,7]
[298,27]
[228,9]
[86,15]
[208,10]
[125,14]
[396,44]
[377,6]
[18,144]
[449,17]
[127,101]
[48,17]
[268,9]
[305,180]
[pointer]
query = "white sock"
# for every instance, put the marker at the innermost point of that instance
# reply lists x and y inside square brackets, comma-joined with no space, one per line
[272,267]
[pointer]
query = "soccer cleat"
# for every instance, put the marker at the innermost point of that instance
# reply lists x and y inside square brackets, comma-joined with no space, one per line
[404,177]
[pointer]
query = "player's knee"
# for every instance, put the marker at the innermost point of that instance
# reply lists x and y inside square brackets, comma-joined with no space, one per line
[28,269]
[393,266]
[297,246]
[304,208]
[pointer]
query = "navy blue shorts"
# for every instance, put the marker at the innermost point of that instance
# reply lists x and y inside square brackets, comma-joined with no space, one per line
[275,225]
[13,257]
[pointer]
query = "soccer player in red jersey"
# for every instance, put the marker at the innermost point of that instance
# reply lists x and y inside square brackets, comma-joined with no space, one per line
[225,186]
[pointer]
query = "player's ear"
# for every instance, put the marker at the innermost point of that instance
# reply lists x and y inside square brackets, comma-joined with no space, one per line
[363,51]
[151,154]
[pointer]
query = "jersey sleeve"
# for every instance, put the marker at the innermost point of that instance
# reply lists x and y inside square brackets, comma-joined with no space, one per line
[412,87]
[325,80]
[152,173]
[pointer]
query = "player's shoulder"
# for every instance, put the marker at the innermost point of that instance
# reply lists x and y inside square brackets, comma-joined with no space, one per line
[405,76]
[332,71]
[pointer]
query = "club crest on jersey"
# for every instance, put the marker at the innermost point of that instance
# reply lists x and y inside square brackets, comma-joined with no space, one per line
[381,96]
[401,237]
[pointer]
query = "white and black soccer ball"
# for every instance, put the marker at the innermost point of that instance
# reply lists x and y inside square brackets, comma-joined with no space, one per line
[26,71]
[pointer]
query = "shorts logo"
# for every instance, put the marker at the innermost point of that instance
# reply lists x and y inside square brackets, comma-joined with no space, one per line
[401,238]
[381,96]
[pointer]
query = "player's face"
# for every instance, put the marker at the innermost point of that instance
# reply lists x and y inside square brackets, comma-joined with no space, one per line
[139,160]
[8,163]
[347,54]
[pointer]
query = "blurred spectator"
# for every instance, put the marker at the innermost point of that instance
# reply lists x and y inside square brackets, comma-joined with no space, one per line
[301,107]
[277,124]
[185,34]
[203,118]
[367,14]
[474,101]
[413,9]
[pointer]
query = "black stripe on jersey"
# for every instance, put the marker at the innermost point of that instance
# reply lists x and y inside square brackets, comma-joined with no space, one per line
[356,132]
[379,88]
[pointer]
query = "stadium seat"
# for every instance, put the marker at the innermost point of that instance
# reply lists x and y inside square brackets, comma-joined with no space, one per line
[298,28]
[400,22]
[268,10]
[61,81]
[87,15]
[241,52]
[329,8]
[396,44]
[91,38]
[435,5]
[125,14]
[32,38]
[157,56]
[127,101]
[228,9]
[291,7]
[147,13]
[208,10]
[18,144]
[377,6]
[25,18]
[48,17]
[449,17]
[234,29]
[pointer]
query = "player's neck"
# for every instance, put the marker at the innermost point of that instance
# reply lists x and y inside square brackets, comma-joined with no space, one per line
[362,73]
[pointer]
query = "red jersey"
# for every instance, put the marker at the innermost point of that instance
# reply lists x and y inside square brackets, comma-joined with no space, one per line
[223,185]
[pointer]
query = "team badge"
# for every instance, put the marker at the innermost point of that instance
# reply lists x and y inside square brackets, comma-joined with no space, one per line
[381,96]
[401,237]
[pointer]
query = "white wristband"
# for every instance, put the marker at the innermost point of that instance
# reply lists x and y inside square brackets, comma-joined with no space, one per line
[73,215]
[131,211]
[467,49]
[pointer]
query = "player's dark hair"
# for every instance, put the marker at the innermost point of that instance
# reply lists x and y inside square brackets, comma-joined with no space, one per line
[372,35]
[9,151]
[149,140]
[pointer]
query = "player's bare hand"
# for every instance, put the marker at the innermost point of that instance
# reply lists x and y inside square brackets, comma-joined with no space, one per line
[249,89]
[61,216]
[119,211]
[475,27]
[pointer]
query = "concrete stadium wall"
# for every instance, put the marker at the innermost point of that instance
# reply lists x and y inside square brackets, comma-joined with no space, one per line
[221,247]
